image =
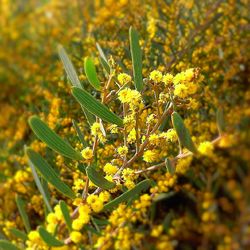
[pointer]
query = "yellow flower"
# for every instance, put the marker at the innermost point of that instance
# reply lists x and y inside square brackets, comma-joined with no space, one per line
[151,155]
[124,78]
[130,96]
[75,236]
[96,128]
[157,230]
[87,153]
[181,91]
[168,79]
[206,148]
[155,76]
[110,169]
[77,224]
[122,150]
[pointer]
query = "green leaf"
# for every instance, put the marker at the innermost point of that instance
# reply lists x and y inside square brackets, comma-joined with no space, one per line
[220,120]
[6,245]
[72,75]
[89,116]
[103,59]
[49,173]
[98,179]
[182,132]
[66,214]
[19,234]
[48,238]
[69,68]
[136,58]
[143,185]
[169,166]
[53,141]
[79,134]
[39,186]
[90,71]
[95,107]
[164,196]
[21,208]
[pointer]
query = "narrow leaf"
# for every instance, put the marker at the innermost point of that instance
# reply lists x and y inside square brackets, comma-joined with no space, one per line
[136,55]
[79,134]
[98,179]
[6,245]
[143,185]
[39,186]
[72,75]
[53,141]
[103,59]
[48,238]
[90,71]
[66,214]
[19,234]
[169,166]
[21,208]
[68,66]
[95,107]
[182,132]
[220,120]
[49,173]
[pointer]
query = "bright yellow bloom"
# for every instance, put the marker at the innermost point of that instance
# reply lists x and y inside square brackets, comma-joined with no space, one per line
[110,169]
[75,236]
[124,78]
[122,150]
[129,96]
[206,148]
[181,91]
[77,224]
[155,76]
[151,155]
[87,153]
[168,79]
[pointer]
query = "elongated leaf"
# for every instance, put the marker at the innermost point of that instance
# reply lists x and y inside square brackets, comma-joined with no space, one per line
[90,71]
[48,238]
[143,185]
[49,173]
[169,166]
[72,75]
[182,132]
[79,134]
[95,107]
[136,58]
[68,66]
[21,208]
[103,59]
[220,120]
[19,234]
[98,179]
[89,116]
[66,214]
[53,141]
[6,245]
[39,186]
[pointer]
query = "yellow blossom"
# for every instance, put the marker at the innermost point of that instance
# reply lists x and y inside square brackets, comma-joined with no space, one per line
[87,153]
[206,148]
[75,236]
[155,76]
[151,155]
[124,78]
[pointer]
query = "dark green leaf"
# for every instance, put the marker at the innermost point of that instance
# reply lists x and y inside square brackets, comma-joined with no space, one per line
[48,238]
[21,208]
[49,173]
[98,179]
[136,58]
[66,214]
[143,185]
[182,132]
[19,234]
[68,66]
[103,59]
[220,120]
[95,107]
[90,71]
[163,196]
[6,245]
[79,134]
[53,141]
[39,186]
[169,166]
